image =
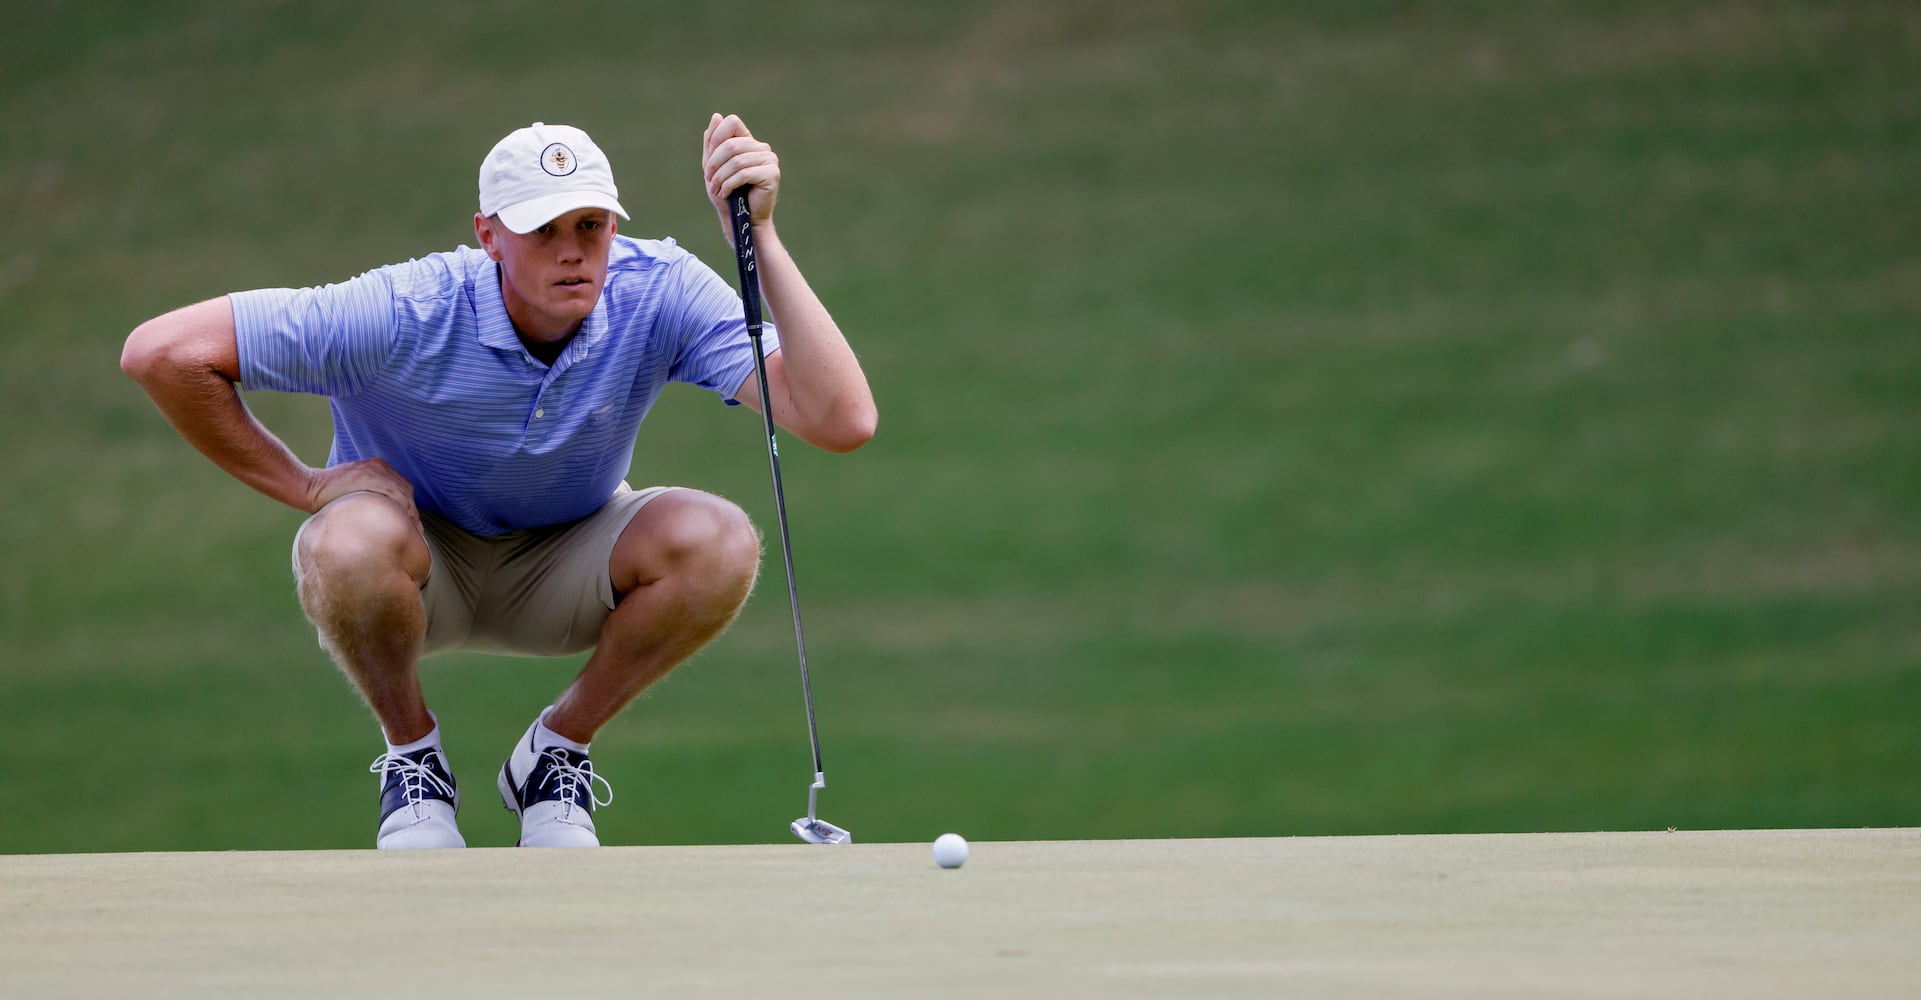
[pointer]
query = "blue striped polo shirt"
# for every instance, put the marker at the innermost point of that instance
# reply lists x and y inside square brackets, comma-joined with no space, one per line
[422,368]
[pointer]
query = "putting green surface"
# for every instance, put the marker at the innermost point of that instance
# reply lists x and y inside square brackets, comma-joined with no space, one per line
[1489,416]
[1787,913]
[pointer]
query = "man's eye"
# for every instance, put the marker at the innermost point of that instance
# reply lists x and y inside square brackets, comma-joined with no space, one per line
[546,230]
[590,223]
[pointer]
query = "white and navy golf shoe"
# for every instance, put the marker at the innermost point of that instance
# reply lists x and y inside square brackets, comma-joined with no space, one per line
[554,791]
[418,800]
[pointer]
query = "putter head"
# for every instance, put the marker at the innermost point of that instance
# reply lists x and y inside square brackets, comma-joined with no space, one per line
[819,831]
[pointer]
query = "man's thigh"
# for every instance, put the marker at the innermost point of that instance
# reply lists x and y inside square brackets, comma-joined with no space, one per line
[547,592]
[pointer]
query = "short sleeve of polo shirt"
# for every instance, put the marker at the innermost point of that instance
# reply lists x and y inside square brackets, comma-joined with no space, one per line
[710,329]
[330,340]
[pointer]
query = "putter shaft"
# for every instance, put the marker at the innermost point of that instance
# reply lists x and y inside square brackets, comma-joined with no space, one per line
[750,303]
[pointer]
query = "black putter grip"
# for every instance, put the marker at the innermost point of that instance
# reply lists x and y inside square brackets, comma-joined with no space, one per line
[742,224]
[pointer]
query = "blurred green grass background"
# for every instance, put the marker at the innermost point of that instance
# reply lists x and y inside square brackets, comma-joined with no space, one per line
[1296,419]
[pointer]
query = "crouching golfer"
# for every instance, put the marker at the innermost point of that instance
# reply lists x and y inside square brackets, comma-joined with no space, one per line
[485,403]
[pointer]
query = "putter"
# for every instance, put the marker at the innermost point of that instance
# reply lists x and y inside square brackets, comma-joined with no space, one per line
[810,827]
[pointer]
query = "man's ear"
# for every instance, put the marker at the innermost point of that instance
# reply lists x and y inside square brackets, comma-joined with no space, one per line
[484,232]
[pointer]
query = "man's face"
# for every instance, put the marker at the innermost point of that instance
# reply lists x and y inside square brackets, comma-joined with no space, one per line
[550,278]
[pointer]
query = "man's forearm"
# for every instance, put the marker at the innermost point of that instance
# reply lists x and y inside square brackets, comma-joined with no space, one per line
[186,369]
[210,414]
[827,391]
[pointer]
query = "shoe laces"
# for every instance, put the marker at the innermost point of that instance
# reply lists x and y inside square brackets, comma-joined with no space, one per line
[415,775]
[574,781]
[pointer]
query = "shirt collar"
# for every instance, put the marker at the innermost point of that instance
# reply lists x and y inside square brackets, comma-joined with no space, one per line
[495,328]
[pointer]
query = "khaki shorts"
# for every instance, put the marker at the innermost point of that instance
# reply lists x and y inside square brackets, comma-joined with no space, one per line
[539,592]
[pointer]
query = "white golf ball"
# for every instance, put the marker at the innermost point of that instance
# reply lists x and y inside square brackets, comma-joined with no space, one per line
[950,850]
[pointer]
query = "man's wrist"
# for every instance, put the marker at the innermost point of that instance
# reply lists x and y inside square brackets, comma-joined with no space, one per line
[309,490]
[764,235]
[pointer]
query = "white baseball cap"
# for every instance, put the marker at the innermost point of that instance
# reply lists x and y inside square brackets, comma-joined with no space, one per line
[540,173]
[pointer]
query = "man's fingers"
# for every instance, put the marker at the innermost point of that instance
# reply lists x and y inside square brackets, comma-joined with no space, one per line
[720,130]
[403,497]
[727,126]
[373,475]
[732,148]
[377,471]
[732,159]
[707,139]
[750,169]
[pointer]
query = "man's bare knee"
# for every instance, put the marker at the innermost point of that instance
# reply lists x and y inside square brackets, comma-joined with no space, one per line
[737,549]
[715,537]
[360,563]
[363,537]
[695,534]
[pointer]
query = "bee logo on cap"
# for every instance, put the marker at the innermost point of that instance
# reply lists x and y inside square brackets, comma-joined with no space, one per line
[558,160]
